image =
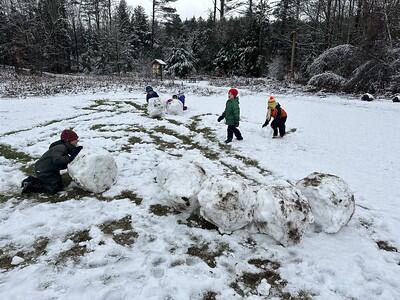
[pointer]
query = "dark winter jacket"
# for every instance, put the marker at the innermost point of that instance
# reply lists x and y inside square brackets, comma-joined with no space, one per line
[48,167]
[232,112]
[151,94]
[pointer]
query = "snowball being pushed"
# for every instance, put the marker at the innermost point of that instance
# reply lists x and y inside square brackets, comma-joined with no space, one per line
[180,182]
[282,212]
[156,107]
[331,200]
[174,107]
[95,170]
[227,202]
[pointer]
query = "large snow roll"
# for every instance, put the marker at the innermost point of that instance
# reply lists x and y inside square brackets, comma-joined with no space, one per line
[93,170]
[156,107]
[282,212]
[331,200]
[180,182]
[174,107]
[227,202]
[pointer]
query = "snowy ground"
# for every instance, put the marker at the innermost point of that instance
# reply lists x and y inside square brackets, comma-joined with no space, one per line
[128,244]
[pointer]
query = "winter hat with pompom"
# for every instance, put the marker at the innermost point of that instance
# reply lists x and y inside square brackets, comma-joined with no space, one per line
[234,92]
[271,102]
[69,135]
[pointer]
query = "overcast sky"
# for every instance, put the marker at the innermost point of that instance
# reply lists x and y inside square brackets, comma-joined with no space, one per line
[186,8]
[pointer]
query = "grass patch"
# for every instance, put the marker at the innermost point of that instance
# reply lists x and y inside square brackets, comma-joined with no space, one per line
[383,245]
[76,251]
[162,210]
[208,256]
[125,238]
[12,154]
[197,221]
[210,295]
[30,257]
[131,196]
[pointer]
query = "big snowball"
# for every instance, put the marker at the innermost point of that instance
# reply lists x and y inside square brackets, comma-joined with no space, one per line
[180,183]
[93,170]
[282,212]
[174,107]
[331,200]
[156,107]
[227,202]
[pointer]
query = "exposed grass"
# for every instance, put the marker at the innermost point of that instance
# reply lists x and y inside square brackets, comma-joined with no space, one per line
[125,238]
[162,210]
[383,245]
[206,254]
[12,154]
[131,196]
[76,251]
[30,257]
[197,221]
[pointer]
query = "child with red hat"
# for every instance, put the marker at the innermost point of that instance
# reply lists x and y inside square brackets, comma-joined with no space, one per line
[232,116]
[279,115]
[47,168]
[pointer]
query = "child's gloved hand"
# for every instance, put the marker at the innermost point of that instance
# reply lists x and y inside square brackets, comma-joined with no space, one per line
[75,152]
[220,118]
[265,124]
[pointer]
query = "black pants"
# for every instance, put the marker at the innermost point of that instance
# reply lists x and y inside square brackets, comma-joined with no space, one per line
[46,184]
[279,124]
[233,130]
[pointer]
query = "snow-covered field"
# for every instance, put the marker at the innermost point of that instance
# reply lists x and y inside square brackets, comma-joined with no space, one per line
[127,243]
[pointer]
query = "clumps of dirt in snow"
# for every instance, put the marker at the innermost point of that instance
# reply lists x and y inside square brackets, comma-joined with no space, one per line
[133,197]
[208,253]
[121,231]
[162,210]
[77,250]
[10,257]
[383,245]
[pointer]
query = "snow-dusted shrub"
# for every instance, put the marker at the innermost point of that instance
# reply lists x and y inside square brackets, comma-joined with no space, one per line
[369,77]
[282,212]
[341,60]
[180,182]
[332,202]
[95,170]
[328,81]
[174,107]
[156,107]
[367,97]
[227,202]
[396,99]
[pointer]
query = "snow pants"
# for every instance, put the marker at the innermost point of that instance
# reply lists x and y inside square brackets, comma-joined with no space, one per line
[279,124]
[45,184]
[233,130]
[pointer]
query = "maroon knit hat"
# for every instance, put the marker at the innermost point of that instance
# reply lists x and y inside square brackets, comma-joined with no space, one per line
[69,135]
[234,92]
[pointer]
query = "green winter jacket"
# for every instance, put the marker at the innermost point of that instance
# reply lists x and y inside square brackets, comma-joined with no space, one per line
[232,112]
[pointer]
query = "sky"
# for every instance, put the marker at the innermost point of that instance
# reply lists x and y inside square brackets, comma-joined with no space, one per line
[186,8]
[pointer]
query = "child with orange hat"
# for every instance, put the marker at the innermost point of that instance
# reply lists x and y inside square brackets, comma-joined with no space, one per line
[279,115]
